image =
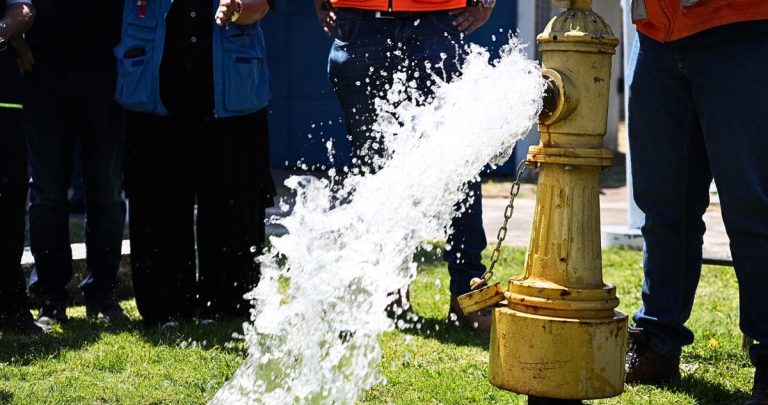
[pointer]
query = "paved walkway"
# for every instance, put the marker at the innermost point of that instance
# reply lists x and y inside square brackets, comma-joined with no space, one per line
[613,212]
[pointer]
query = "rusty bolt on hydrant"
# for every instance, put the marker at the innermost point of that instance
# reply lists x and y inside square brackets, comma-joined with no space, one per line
[556,334]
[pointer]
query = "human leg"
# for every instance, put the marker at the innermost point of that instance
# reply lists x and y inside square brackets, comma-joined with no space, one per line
[161,196]
[14,305]
[47,111]
[232,195]
[360,68]
[100,127]
[671,179]
[729,100]
[437,43]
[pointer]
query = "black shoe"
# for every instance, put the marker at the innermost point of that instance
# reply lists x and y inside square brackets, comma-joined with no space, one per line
[760,387]
[52,314]
[23,324]
[644,365]
[168,325]
[106,311]
[208,317]
[208,321]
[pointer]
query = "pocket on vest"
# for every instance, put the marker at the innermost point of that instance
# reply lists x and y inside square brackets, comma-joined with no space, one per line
[134,84]
[241,67]
[241,75]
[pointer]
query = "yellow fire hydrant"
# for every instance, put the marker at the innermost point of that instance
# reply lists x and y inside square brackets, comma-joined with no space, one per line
[556,334]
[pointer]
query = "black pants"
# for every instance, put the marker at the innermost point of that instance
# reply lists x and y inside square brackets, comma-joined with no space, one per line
[13,197]
[59,106]
[174,161]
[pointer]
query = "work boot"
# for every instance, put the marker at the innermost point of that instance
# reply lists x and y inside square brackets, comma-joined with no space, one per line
[760,387]
[107,311]
[51,314]
[644,365]
[480,320]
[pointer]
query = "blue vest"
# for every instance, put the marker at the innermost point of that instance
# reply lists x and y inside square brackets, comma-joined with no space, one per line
[240,77]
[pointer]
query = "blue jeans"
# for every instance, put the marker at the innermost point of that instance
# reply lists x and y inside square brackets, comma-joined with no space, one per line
[697,111]
[366,46]
[59,105]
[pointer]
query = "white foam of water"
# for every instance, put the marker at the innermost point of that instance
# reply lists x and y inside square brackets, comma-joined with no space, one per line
[319,306]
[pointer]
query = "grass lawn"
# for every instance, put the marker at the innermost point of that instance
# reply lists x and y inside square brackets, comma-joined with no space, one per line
[85,363]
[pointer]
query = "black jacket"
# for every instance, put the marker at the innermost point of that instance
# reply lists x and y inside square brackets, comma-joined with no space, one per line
[75,34]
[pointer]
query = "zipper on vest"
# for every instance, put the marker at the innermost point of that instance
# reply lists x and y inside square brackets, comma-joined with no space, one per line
[389,6]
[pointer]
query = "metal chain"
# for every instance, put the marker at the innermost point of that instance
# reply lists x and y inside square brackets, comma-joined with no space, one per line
[502,234]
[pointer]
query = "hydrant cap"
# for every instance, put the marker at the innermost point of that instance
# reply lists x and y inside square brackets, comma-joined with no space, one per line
[579,25]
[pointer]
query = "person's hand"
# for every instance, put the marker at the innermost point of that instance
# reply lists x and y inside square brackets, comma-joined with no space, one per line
[250,11]
[468,19]
[25,58]
[326,17]
[224,13]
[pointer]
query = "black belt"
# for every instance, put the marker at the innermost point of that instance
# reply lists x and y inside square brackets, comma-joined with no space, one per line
[391,14]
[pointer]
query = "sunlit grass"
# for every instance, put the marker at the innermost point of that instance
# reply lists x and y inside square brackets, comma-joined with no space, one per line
[86,363]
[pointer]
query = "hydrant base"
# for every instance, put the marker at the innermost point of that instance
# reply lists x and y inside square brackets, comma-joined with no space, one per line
[557,357]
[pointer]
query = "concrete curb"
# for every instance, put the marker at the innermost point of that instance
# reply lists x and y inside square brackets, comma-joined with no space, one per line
[624,237]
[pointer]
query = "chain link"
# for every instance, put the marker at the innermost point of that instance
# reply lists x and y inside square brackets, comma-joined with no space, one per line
[502,234]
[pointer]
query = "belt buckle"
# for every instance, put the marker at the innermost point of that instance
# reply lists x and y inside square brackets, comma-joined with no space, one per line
[380,14]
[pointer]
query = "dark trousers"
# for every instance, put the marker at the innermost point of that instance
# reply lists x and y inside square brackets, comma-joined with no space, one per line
[697,112]
[172,162]
[367,51]
[60,105]
[13,198]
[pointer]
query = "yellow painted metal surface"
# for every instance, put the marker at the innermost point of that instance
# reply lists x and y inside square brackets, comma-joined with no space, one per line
[481,298]
[558,334]
[557,357]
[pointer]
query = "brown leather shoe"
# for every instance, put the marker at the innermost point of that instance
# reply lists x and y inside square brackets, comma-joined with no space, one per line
[480,320]
[760,388]
[644,365]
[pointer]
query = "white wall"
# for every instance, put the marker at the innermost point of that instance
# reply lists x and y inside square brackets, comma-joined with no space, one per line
[526,27]
[635,217]
[611,11]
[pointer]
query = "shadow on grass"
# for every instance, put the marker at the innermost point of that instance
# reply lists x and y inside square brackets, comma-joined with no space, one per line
[707,392]
[79,333]
[6,397]
[217,335]
[445,331]
[23,350]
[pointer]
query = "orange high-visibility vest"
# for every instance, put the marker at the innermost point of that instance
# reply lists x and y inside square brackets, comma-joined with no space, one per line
[401,5]
[669,20]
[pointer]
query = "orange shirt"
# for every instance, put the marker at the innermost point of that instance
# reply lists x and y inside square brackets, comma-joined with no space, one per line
[668,21]
[401,5]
